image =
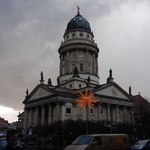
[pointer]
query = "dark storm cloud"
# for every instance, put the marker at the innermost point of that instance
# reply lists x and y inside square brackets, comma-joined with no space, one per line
[31,32]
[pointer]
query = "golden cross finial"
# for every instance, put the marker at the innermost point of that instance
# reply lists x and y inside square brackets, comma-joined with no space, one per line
[78,8]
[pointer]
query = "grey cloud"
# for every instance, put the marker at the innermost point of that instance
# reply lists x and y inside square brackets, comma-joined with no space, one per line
[31,32]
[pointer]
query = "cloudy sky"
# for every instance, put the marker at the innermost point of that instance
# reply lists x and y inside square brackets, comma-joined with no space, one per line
[31,32]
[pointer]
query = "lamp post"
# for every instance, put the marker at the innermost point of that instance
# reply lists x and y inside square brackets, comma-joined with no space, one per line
[86,100]
[87,113]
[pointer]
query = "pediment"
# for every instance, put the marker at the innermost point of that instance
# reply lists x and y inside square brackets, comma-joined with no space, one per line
[113,91]
[39,93]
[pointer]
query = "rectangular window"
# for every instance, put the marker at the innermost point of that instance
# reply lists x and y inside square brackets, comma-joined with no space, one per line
[81,67]
[92,111]
[101,111]
[68,110]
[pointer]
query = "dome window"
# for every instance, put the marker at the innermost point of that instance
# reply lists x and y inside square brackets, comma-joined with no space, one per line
[67,36]
[81,34]
[79,85]
[87,35]
[73,35]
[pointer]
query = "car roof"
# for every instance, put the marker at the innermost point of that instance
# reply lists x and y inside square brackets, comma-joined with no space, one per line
[104,135]
[3,138]
[144,140]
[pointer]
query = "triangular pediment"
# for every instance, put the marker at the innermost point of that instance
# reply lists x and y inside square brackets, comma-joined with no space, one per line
[39,93]
[113,91]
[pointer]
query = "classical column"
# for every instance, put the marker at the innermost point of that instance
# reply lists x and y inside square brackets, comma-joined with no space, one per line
[25,119]
[77,56]
[57,111]
[62,111]
[132,116]
[94,64]
[108,112]
[50,114]
[61,64]
[36,116]
[30,117]
[99,112]
[67,63]
[43,116]
[117,113]
[74,111]
[124,114]
[86,61]
[113,113]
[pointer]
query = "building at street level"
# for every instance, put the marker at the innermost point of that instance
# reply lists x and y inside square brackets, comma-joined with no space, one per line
[78,70]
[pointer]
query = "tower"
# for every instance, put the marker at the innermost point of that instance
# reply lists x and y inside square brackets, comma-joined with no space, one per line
[78,54]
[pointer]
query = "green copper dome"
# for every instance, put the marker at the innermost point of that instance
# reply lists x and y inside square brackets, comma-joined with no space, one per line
[78,22]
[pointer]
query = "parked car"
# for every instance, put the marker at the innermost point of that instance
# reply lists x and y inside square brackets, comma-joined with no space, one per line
[3,143]
[141,145]
[100,142]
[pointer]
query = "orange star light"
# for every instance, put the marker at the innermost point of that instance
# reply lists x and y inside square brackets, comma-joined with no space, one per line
[87,99]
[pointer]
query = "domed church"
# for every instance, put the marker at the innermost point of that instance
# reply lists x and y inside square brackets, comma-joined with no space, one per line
[78,71]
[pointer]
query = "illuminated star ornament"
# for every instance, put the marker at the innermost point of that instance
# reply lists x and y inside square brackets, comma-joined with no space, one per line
[87,99]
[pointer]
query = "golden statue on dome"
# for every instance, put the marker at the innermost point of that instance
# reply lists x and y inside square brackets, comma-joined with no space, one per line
[78,8]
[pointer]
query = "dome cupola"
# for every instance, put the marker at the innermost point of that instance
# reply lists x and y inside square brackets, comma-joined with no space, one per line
[78,22]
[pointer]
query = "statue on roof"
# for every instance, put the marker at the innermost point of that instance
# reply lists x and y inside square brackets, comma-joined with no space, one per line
[88,79]
[27,93]
[49,81]
[76,72]
[78,9]
[110,74]
[130,90]
[42,78]
[41,75]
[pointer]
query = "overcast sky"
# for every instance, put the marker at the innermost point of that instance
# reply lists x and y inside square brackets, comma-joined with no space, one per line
[31,32]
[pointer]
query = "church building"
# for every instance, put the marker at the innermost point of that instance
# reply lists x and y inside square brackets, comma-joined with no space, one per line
[78,70]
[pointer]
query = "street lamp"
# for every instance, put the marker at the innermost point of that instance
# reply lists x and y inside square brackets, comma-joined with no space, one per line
[86,100]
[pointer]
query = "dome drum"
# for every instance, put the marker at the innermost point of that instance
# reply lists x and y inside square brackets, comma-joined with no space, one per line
[71,46]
